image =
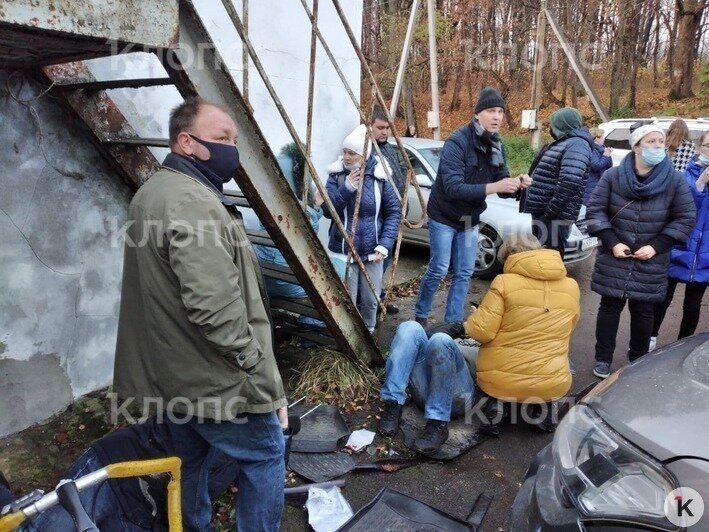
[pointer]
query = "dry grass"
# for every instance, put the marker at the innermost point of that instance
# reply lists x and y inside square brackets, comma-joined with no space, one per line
[329,376]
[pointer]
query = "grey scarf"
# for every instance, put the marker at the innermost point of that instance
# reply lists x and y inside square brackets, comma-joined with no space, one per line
[491,141]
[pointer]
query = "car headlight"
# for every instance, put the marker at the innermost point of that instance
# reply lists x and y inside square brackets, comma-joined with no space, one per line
[605,475]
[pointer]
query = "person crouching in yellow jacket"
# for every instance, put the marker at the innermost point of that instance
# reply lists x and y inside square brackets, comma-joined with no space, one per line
[523,324]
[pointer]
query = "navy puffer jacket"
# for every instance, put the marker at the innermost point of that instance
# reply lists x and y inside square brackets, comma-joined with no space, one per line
[638,212]
[379,209]
[458,194]
[560,177]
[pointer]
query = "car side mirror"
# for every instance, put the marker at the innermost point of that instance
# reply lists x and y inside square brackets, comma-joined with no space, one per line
[424,181]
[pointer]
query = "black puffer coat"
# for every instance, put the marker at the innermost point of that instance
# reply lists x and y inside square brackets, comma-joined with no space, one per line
[560,177]
[638,212]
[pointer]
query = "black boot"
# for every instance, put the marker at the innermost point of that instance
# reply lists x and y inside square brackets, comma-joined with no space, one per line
[433,436]
[389,423]
[494,412]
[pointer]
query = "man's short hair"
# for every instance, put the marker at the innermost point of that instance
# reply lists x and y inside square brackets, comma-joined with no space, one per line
[378,113]
[517,243]
[183,116]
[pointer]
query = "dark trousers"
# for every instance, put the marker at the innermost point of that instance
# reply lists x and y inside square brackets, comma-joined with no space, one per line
[693,294]
[552,234]
[642,315]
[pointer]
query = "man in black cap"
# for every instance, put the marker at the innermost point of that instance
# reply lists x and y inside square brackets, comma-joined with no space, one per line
[472,167]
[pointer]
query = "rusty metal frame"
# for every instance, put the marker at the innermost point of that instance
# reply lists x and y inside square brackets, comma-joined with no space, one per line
[236,20]
[262,183]
[362,115]
[135,163]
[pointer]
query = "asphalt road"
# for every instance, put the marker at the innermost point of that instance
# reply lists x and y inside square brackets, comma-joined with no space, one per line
[496,465]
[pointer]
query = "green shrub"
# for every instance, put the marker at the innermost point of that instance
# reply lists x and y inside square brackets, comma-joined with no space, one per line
[519,154]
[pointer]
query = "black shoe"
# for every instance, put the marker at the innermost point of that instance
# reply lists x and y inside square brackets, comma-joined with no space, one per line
[389,423]
[494,412]
[392,309]
[422,321]
[433,436]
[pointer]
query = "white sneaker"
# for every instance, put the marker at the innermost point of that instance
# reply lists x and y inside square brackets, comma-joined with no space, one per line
[653,343]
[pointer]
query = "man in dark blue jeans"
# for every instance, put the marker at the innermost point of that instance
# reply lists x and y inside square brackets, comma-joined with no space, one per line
[472,167]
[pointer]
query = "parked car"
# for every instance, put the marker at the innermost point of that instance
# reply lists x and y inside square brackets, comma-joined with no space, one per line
[501,218]
[623,450]
[617,132]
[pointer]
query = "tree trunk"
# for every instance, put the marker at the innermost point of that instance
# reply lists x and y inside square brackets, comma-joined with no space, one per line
[409,107]
[689,13]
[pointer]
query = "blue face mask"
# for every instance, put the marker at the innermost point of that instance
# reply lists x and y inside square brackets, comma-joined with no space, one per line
[223,159]
[653,156]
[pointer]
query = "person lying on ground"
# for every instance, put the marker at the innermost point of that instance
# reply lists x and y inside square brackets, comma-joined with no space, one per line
[523,324]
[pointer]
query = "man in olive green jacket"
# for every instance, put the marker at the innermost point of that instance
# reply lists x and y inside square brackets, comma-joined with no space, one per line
[194,333]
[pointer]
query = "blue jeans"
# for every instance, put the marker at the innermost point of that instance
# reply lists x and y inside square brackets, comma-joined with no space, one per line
[99,501]
[256,443]
[448,245]
[434,371]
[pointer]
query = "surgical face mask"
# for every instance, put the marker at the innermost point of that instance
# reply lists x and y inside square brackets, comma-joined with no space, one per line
[223,158]
[351,167]
[703,159]
[653,156]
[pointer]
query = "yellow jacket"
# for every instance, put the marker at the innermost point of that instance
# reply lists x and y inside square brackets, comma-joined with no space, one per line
[524,324]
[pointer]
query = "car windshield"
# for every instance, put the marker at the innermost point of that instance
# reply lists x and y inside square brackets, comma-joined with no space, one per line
[432,156]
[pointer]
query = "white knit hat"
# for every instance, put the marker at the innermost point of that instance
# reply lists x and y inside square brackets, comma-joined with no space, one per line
[637,135]
[355,140]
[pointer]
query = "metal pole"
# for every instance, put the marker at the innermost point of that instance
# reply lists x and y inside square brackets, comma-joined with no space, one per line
[380,99]
[434,68]
[245,54]
[311,96]
[234,16]
[539,57]
[574,62]
[404,60]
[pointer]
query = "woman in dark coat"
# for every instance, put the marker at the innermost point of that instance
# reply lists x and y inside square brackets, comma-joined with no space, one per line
[639,210]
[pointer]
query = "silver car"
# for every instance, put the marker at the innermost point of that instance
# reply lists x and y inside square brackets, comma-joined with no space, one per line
[501,218]
[632,455]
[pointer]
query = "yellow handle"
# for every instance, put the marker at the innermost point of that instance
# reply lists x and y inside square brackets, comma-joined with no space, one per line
[137,468]
[140,468]
[12,521]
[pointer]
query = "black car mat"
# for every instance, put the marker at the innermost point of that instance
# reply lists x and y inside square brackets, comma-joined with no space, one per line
[321,467]
[391,510]
[462,436]
[321,431]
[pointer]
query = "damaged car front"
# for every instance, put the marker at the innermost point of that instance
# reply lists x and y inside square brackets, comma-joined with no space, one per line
[620,455]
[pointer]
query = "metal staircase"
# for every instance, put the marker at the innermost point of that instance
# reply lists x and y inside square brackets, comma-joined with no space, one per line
[263,187]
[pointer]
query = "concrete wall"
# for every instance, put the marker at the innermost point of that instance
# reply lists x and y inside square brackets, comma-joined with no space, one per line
[59,273]
[60,202]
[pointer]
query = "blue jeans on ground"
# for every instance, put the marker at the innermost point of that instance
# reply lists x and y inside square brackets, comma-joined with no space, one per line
[434,371]
[99,501]
[448,245]
[256,442]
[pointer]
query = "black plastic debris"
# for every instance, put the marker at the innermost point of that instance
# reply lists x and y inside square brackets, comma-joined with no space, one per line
[323,430]
[391,510]
[321,467]
[462,436]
